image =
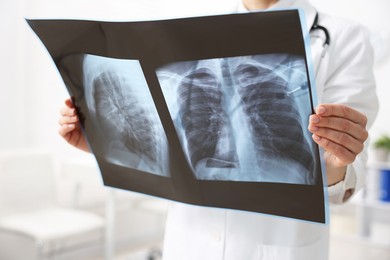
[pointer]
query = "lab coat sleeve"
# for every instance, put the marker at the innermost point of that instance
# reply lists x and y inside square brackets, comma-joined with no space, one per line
[350,81]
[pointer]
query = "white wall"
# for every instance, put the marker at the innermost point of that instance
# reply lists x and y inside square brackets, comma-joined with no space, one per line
[11,74]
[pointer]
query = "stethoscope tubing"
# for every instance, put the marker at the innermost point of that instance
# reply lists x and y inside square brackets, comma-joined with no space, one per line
[326,42]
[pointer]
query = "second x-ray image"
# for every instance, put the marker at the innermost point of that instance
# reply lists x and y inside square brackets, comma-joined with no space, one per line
[123,112]
[243,118]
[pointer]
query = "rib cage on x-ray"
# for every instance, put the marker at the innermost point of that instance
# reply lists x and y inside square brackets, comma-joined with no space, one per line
[125,111]
[274,120]
[239,118]
[206,124]
[127,118]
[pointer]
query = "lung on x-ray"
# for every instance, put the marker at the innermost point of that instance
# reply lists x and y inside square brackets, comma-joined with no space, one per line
[121,107]
[243,118]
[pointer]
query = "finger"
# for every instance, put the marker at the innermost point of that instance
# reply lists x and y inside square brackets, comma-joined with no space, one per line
[68,120]
[342,111]
[339,124]
[341,138]
[66,111]
[69,103]
[66,129]
[340,152]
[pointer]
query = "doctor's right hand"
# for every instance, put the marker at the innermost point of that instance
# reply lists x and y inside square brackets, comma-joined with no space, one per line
[70,128]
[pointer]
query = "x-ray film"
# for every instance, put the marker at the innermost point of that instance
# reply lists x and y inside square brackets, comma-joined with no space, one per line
[211,111]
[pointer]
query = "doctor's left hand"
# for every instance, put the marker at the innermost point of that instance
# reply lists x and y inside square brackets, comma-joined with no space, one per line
[341,131]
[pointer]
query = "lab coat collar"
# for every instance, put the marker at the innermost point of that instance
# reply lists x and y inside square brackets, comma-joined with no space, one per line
[309,10]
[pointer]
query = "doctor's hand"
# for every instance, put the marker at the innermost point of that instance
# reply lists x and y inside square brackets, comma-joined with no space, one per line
[341,131]
[70,128]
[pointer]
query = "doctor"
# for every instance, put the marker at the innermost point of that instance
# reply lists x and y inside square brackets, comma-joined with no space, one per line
[346,92]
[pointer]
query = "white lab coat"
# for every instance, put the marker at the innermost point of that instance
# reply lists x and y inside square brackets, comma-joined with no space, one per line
[344,76]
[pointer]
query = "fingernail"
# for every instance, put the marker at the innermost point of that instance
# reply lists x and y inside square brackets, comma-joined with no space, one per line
[313,128]
[321,110]
[316,137]
[71,126]
[314,119]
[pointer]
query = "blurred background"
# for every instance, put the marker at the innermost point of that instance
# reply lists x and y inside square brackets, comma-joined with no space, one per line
[64,206]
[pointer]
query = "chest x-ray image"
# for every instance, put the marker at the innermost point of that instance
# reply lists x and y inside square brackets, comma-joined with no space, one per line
[122,110]
[199,110]
[243,118]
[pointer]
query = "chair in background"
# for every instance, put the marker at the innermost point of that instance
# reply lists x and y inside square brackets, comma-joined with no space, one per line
[32,224]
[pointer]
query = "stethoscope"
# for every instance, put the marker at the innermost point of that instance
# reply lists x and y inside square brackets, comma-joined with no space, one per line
[326,42]
[316,26]
[325,46]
